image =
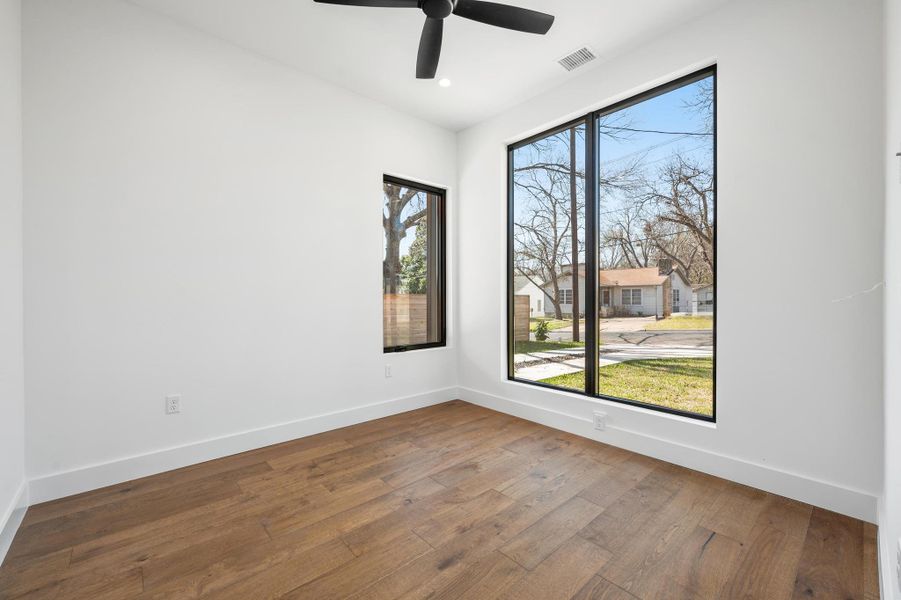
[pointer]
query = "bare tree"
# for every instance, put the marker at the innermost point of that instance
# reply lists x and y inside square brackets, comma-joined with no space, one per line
[682,199]
[622,242]
[672,244]
[549,233]
[703,102]
[397,200]
[543,235]
[670,213]
[670,217]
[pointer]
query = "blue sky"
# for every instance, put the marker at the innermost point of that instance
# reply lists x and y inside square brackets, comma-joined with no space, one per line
[667,113]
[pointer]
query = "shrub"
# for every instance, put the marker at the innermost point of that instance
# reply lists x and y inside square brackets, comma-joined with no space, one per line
[541,331]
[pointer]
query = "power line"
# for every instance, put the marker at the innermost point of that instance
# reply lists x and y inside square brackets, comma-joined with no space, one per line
[648,150]
[704,133]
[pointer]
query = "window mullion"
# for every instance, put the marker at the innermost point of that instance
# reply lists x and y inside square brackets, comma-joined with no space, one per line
[591,256]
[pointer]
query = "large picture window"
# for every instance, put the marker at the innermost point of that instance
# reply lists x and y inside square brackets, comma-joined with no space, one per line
[616,212]
[413,296]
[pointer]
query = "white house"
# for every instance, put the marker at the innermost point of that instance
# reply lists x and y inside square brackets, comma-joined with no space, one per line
[640,292]
[681,292]
[702,299]
[658,291]
[523,286]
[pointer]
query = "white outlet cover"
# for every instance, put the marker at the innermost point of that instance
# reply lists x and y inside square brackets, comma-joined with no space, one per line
[600,421]
[173,404]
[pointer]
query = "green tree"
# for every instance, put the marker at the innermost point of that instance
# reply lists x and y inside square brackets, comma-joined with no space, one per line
[415,266]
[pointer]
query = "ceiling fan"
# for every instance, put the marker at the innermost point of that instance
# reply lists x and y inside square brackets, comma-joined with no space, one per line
[490,13]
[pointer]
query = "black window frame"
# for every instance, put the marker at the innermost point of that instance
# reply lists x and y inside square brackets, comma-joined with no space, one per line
[592,295]
[440,230]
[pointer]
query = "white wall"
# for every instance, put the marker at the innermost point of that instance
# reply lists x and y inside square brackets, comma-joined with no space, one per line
[12,406]
[890,514]
[800,207]
[201,221]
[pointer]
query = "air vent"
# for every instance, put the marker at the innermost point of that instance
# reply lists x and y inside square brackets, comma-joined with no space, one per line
[578,58]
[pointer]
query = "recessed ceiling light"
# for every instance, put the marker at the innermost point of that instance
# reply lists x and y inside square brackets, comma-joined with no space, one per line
[444,82]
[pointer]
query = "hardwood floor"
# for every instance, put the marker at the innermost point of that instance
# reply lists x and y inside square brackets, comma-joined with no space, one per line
[452,501]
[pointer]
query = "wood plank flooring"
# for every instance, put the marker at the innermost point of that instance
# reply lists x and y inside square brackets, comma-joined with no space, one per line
[451,501]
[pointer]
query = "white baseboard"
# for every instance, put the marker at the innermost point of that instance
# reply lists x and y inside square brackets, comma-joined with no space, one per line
[886,545]
[855,503]
[12,518]
[851,502]
[92,477]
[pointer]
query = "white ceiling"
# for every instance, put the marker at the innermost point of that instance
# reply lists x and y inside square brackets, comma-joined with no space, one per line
[372,51]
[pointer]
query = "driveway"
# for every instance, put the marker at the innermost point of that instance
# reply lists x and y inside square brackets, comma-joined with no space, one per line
[622,339]
[626,323]
[675,338]
[630,330]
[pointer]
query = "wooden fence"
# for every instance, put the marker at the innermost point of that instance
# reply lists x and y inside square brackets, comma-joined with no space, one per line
[521,314]
[406,319]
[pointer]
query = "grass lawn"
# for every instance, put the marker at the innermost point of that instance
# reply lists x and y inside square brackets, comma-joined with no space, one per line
[682,322]
[680,383]
[532,346]
[553,324]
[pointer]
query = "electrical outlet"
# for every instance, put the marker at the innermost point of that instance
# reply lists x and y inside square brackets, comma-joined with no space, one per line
[388,372]
[600,421]
[173,404]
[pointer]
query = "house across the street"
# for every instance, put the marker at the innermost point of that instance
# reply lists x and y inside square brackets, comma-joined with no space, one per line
[702,299]
[650,291]
[523,286]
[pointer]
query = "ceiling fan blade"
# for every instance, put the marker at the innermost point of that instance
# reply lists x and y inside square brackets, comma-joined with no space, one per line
[429,48]
[374,3]
[502,15]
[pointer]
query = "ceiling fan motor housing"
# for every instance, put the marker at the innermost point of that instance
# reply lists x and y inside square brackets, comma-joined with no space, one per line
[438,9]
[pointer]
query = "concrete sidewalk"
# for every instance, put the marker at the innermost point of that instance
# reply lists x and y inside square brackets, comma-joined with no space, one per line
[542,365]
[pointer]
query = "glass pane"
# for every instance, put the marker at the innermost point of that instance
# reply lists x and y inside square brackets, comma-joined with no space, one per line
[548,248]
[413,309]
[656,223]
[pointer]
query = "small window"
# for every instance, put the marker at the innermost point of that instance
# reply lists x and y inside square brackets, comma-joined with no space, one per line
[675,296]
[565,296]
[413,266]
[605,297]
[632,297]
